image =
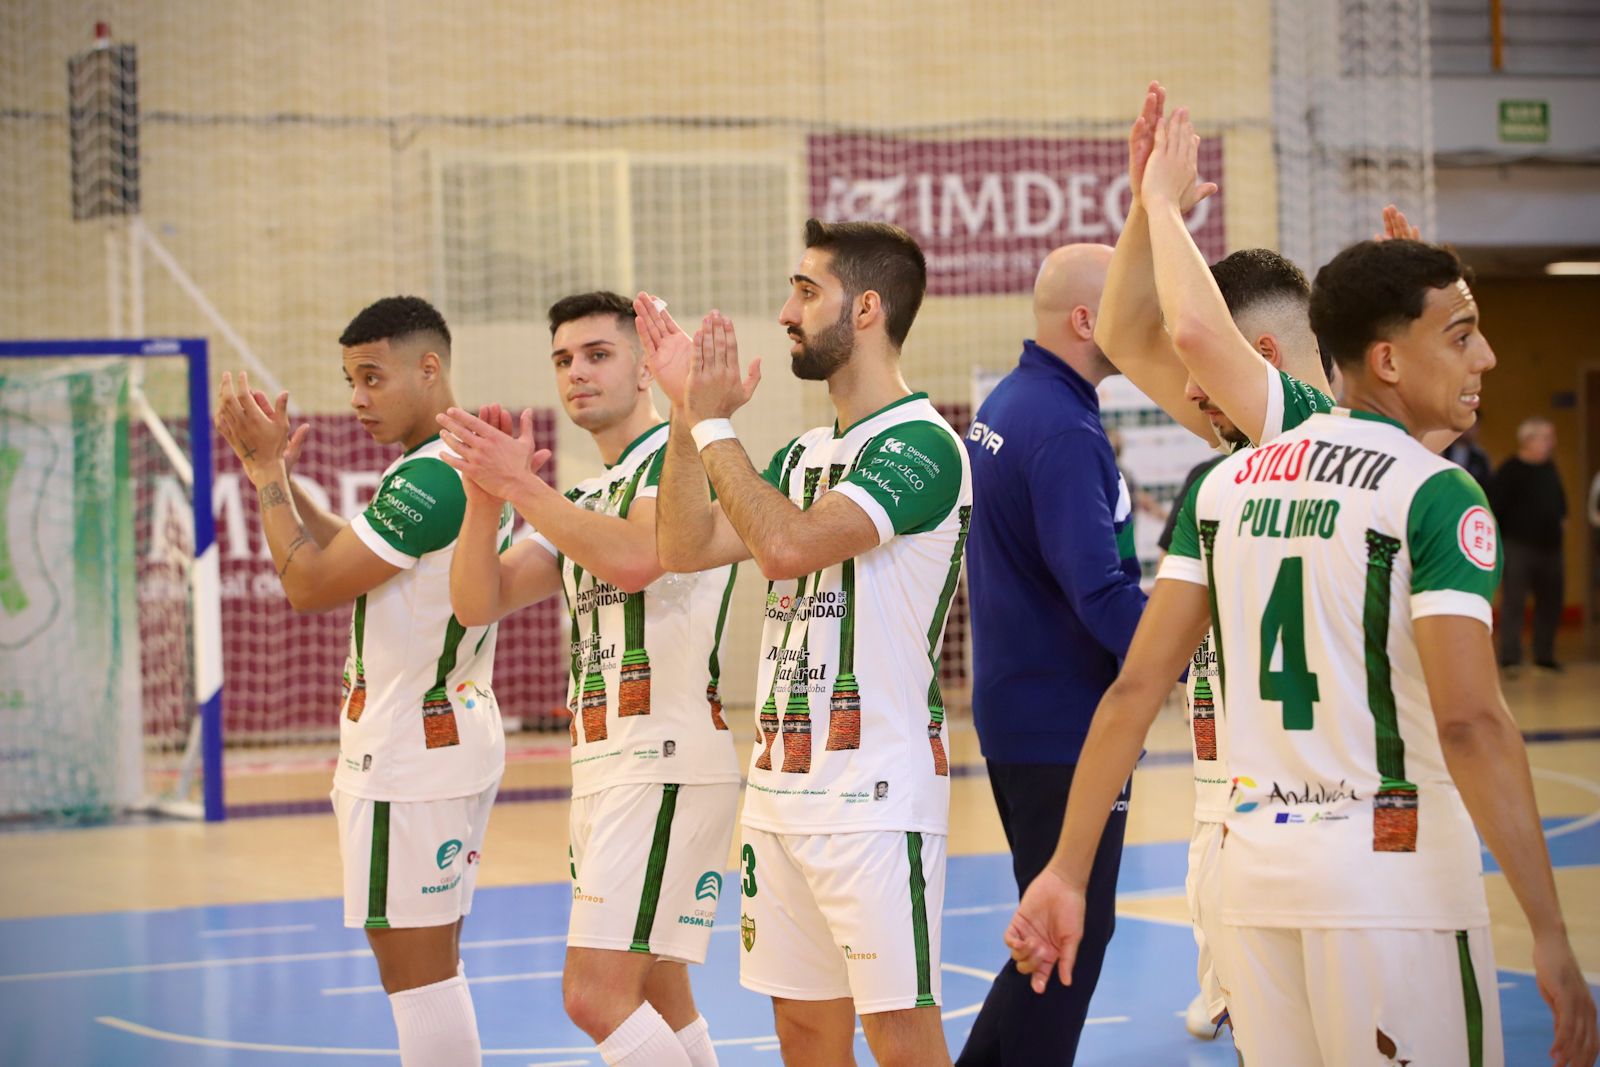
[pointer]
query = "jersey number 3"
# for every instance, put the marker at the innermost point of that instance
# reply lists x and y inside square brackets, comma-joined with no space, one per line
[1284,621]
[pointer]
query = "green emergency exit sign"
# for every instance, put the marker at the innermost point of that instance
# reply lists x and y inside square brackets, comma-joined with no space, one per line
[1525,121]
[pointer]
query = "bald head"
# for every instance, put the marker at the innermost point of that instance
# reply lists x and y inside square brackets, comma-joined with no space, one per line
[1066,301]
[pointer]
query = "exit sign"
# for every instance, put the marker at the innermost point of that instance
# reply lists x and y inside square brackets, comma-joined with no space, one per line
[1525,121]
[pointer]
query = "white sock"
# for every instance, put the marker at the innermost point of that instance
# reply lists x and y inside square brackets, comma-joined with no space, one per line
[696,1041]
[437,1025]
[643,1040]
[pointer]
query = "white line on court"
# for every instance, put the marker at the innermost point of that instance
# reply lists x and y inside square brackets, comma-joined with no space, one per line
[246,961]
[246,931]
[488,979]
[1586,784]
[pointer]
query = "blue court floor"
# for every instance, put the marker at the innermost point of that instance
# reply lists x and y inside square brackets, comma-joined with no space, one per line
[286,983]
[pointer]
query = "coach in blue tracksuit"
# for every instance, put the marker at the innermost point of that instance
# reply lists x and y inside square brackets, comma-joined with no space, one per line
[1055,600]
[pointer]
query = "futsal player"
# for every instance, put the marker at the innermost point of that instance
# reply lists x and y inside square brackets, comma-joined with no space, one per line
[1274,382]
[1347,571]
[859,528]
[421,748]
[655,782]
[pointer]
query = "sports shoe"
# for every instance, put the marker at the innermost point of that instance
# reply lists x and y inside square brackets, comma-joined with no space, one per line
[1197,1020]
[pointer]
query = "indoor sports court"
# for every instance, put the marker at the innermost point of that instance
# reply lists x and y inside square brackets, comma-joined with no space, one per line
[191,189]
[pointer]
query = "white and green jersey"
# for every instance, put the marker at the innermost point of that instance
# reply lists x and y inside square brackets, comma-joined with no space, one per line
[857,643]
[1319,550]
[645,669]
[418,719]
[1290,402]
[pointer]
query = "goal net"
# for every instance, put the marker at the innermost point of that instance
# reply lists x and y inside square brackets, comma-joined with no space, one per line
[109,634]
[495,157]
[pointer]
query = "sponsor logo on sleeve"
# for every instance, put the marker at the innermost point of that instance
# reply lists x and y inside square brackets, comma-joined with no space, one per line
[1478,538]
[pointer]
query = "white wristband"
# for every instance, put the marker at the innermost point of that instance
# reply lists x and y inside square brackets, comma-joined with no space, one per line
[708,430]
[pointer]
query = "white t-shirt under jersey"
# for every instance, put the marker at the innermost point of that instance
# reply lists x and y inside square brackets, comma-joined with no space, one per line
[1290,402]
[1319,549]
[849,716]
[644,684]
[418,719]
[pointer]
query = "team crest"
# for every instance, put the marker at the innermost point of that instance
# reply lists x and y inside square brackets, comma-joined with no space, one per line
[747,932]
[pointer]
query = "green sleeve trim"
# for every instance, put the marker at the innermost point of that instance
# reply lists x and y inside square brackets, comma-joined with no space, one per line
[913,471]
[418,509]
[1453,537]
[653,465]
[1186,533]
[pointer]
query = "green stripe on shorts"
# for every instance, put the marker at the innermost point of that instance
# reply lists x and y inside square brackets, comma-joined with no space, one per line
[378,874]
[654,869]
[919,921]
[1469,997]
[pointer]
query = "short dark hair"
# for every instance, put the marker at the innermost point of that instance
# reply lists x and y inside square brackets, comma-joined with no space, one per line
[1374,289]
[582,305]
[1254,276]
[396,318]
[877,256]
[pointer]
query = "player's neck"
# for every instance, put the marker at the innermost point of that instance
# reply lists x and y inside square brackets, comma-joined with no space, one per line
[1386,402]
[427,426]
[614,440]
[863,386]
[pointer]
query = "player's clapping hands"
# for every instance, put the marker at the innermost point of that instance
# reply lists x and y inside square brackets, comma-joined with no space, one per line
[255,428]
[495,452]
[667,349]
[1171,173]
[714,388]
[1047,928]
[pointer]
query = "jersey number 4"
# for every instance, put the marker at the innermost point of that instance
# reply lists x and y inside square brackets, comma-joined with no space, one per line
[1284,621]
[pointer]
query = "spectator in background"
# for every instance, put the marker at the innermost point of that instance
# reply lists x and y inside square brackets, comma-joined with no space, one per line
[1530,505]
[1466,453]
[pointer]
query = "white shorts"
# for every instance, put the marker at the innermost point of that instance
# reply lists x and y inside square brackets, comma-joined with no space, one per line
[410,863]
[1336,997]
[843,915]
[1203,886]
[647,862]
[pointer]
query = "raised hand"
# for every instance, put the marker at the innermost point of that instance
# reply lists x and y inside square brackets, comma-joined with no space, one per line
[714,388]
[1171,174]
[1047,928]
[667,349]
[1142,137]
[483,448]
[1395,227]
[258,432]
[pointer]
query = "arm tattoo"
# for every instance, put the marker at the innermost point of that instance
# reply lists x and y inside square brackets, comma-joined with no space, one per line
[294,546]
[272,495]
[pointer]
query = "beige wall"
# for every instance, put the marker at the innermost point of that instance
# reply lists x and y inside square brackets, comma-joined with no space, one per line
[289,150]
[1543,338]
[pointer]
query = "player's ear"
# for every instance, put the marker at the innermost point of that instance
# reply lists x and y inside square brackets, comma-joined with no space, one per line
[869,308]
[1382,361]
[1270,350]
[432,366]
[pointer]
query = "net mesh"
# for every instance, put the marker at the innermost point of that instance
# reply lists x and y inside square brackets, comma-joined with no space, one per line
[96,627]
[299,160]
